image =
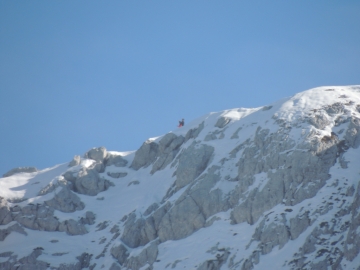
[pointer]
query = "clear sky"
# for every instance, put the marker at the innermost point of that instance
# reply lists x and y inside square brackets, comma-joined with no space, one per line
[81,74]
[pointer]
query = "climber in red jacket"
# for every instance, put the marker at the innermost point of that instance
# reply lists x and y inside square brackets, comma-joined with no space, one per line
[181,123]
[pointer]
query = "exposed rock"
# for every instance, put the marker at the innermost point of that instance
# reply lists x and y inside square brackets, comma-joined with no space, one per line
[20,170]
[53,185]
[66,201]
[151,209]
[31,263]
[72,227]
[292,181]
[169,146]
[83,263]
[5,213]
[89,218]
[147,256]
[194,132]
[222,122]
[116,160]
[138,232]
[75,161]
[192,163]
[215,264]
[335,108]
[13,228]
[97,154]
[117,174]
[37,217]
[88,182]
[352,135]
[146,155]
[319,121]
[120,253]
[352,246]
[183,219]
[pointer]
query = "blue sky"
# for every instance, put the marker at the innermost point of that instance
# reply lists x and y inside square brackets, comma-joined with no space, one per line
[81,74]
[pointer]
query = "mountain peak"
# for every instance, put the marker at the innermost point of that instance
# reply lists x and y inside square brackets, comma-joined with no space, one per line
[237,189]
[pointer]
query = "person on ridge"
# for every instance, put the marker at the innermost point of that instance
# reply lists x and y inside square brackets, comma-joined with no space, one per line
[181,123]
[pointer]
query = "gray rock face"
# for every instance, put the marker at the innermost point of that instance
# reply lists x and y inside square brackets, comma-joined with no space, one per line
[20,170]
[66,201]
[159,154]
[217,262]
[117,175]
[5,213]
[317,157]
[353,133]
[13,228]
[117,161]
[72,227]
[89,182]
[97,154]
[169,146]
[37,217]
[222,122]
[173,222]
[352,246]
[75,161]
[120,253]
[147,256]
[145,156]
[192,163]
[138,232]
[194,132]
[320,121]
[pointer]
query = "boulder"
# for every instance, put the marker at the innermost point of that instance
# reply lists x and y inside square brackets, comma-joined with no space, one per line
[89,182]
[72,227]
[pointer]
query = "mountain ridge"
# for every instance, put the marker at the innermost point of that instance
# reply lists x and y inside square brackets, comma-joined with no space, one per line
[236,189]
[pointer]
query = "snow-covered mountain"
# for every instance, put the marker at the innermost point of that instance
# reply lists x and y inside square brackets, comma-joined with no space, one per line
[275,187]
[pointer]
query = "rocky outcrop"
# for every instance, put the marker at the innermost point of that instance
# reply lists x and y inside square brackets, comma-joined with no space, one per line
[169,146]
[66,201]
[147,256]
[89,182]
[159,154]
[5,213]
[146,155]
[288,180]
[117,174]
[120,253]
[13,228]
[98,154]
[20,170]
[75,161]
[115,160]
[192,162]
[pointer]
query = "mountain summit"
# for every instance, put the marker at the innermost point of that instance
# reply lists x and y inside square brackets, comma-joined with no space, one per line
[275,187]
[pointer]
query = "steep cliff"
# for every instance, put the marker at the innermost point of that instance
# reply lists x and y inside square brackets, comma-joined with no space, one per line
[275,187]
